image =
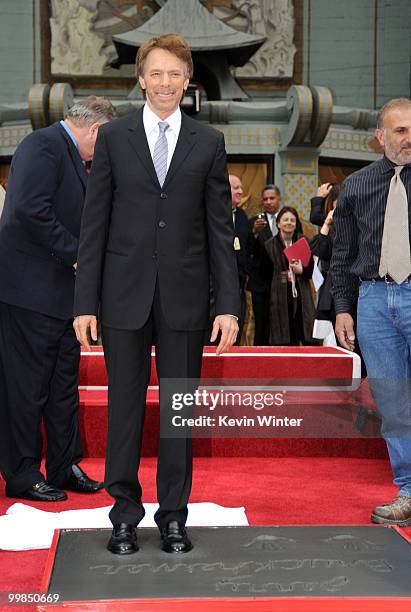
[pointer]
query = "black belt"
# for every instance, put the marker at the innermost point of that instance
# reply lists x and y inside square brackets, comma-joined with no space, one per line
[384,279]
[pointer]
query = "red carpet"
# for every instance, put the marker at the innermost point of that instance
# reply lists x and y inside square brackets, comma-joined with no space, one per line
[249,362]
[290,364]
[285,491]
[279,481]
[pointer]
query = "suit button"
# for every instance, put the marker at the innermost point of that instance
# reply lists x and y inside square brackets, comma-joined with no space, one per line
[155,255]
[161,224]
[163,196]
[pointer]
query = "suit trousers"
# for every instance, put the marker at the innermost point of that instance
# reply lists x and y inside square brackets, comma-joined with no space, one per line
[261,309]
[241,318]
[39,363]
[128,361]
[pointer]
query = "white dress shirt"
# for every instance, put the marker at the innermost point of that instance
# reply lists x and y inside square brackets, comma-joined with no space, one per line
[150,122]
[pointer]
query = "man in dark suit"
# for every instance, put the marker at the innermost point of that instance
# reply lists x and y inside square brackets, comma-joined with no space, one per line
[39,353]
[243,244]
[264,227]
[157,221]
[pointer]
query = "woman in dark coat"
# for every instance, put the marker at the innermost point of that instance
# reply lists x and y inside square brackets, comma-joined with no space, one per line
[322,208]
[291,303]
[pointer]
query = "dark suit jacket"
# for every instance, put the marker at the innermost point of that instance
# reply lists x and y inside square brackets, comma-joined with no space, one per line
[322,246]
[244,234]
[135,232]
[256,282]
[40,224]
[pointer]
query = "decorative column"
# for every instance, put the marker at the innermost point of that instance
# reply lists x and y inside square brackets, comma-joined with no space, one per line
[296,174]
[310,111]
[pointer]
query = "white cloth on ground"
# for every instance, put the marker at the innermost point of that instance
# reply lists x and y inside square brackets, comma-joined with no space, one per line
[24,527]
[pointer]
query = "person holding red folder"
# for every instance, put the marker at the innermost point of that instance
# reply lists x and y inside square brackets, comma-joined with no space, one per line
[291,304]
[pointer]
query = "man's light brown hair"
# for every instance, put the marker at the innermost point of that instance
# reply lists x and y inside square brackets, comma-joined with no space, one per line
[390,105]
[169,42]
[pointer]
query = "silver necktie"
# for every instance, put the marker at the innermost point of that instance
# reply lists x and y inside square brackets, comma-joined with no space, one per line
[161,152]
[395,249]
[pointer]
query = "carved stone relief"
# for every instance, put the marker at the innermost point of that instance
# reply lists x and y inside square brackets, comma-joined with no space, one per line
[81,32]
[75,49]
[273,19]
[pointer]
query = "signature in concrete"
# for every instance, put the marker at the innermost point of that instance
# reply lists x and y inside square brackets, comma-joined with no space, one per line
[248,567]
[243,585]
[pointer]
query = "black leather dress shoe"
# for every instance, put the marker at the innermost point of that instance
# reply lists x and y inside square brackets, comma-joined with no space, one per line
[41,491]
[175,538]
[79,481]
[123,539]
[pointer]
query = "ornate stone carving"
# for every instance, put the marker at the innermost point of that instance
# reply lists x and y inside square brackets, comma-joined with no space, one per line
[81,33]
[75,49]
[82,30]
[273,19]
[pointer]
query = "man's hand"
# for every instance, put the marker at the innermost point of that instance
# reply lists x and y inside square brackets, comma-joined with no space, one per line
[229,330]
[81,326]
[344,330]
[259,224]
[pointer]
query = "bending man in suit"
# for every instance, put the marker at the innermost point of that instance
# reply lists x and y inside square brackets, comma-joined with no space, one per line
[264,227]
[39,352]
[157,220]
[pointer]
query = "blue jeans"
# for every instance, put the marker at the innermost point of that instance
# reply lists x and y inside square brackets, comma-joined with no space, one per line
[384,335]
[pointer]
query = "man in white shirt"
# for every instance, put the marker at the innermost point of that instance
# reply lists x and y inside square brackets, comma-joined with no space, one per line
[157,222]
[264,227]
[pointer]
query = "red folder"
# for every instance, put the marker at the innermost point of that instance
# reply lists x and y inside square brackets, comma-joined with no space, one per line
[299,250]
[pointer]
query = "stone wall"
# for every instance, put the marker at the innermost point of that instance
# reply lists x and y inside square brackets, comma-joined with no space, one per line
[359,49]
[18,66]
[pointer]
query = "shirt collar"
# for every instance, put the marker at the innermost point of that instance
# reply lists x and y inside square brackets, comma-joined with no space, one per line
[387,165]
[69,132]
[150,119]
